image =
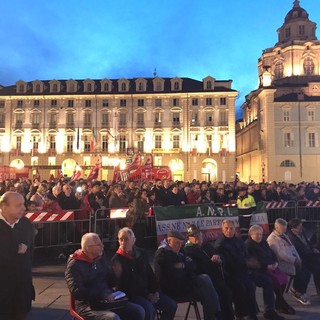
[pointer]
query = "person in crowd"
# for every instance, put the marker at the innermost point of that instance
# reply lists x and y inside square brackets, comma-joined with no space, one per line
[181,185]
[16,242]
[90,197]
[38,197]
[117,199]
[236,263]
[137,279]
[160,193]
[56,190]
[51,204]
[206,197]
[90,281]
[313,194]
[206,262]
[246,206]
[173,196]
[289,260]
[194,196]
[255,191]
[67,200]
[177,277]
[220,196]
[267,275]
[309,255]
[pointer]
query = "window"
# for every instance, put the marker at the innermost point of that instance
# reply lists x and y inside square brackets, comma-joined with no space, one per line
[140,102]
[72,87]
[87,143]
[69,143]
[37,88]
[35,118]
[158,142]
[2,120]
[122,119]
[158,103]
[176,85]
[158,86]
[176,118]
[194,101]
[105,103]
[194,117]
[157,117]
[53,119]
[21,88]
[209,118]
[301,30]
[208,101]
[70,119]
[223,101]
[288,139]
[140,146]
[286,115]
[140,86]
[55,88]
[20,103]
[308,66]
[175,102]
[70,103]
[89,87]
[105,119]
[311,139]
[104,143]
[140,118]
[2,103]
[123,102]
[278,70]
[105,87]
[209,85]
[176,141]
[87,119]
[311,115]
[122,144]
[36,103]
[287,163]
[223,118]
[287,32]
[18,142]
[123,87]
[35,144]
[53,103]
[88,103]
[52,143]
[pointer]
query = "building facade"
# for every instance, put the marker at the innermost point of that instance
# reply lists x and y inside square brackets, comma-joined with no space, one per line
[278,138]
[188,125]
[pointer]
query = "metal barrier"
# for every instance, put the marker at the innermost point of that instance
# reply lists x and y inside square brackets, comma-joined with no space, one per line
[59,229]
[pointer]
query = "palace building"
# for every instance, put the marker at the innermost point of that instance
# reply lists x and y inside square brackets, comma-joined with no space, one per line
[49,126]
[278,138]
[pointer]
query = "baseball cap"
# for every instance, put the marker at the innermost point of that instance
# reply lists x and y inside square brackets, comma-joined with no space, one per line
[175,234]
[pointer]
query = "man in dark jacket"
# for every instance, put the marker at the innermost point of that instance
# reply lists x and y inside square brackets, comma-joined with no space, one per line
[178,280]
[90,282]
[207,262]
[235,262]
[16,241]
[309,255]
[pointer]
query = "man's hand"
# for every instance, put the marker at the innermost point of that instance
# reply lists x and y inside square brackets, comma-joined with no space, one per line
[22,248]
[109,298]
[216,258]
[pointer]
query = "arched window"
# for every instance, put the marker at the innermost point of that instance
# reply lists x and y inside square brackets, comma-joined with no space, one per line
[106,86]
[140,86]
[308,66]
[287,164]
[176,85]
[55,88]
[278,70]
[123,87]
[209,85]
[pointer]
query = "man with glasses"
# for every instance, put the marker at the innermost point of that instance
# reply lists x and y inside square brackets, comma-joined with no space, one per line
[90,281]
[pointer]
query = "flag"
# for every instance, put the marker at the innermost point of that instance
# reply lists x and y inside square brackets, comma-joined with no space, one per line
[135,164]
[147,167]
[116,173]
[78,139]
[93,141]
[76,173]
[95,170]
[51,179]
[223,152]
[37,176]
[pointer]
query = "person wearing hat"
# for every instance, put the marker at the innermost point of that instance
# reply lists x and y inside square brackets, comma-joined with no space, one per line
[178,279]
[209,263]
[246,206]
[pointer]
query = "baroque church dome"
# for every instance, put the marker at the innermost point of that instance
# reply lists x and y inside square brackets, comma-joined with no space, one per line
[296,13]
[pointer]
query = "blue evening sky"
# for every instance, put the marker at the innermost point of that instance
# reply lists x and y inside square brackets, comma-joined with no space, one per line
[64,39]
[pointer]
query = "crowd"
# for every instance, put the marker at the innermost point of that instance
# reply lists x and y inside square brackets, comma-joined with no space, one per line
[222,275]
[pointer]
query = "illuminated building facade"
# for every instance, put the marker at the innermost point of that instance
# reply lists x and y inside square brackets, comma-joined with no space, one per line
[278,138]
[186,124]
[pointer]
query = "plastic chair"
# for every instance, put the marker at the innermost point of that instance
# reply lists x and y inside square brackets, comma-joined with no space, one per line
[72,311]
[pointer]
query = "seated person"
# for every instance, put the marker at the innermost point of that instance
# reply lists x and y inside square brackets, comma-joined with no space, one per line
[207,262]
[309,255]
[88,288]
[289,260]
[137,279]
[235,262]
[178,280]
[267,275]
